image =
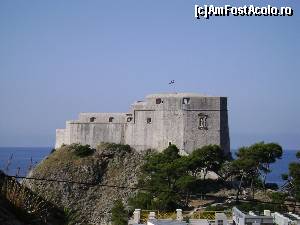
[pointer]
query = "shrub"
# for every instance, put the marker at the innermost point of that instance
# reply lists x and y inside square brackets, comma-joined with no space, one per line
[82,150]
[114,147]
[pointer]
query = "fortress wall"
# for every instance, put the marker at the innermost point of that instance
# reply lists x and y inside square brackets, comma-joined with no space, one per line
[172,129]
[102,117]
[195,137]
[224,130]
[171,122]
[158,134]
[60,137]
[166,125]
[204,103]
[95,133]
[140,134]
[168,103]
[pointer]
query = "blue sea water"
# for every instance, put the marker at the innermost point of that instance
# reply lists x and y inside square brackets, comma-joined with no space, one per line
[26,157]
[13,158]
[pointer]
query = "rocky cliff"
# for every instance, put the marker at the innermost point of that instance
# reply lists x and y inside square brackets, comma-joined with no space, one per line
[109,164]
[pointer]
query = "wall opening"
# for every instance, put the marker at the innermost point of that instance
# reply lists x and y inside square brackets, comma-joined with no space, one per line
[129,119]
[149,120]
[92,119]
[111,119]
[170,143]
[186,101]
[202,121]
[159,101]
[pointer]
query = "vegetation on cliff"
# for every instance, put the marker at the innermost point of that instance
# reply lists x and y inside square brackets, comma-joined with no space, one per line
[153,180]
[106,166]
[170,180]
[20,206]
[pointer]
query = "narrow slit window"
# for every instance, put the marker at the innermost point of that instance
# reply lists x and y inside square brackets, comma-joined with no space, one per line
[149,120]
[111,119]
[92,119]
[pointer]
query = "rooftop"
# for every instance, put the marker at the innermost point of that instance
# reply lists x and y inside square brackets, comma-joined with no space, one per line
[177,95]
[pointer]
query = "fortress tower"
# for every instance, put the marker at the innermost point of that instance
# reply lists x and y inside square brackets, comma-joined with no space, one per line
[187,120]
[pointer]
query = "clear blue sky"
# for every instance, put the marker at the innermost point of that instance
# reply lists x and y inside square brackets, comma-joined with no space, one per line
[59,58]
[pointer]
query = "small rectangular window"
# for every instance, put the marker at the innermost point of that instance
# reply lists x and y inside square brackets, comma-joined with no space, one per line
[110,119]
[149,121]
[92,119]
[186,101]
[158,101]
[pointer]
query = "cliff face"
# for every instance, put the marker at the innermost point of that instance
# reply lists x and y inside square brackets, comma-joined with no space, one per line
[110,164]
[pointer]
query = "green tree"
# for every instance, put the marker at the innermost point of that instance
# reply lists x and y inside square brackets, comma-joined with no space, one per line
[163,175]
[168,179]
[278,200]
[205,159]
[253,164]
[263,154]
[119,215]
[293,179]
[245,171]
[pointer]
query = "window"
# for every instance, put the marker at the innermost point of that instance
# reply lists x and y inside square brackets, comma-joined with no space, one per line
[92,119]
[129,119]
[202,121]
[149,121]
[170,143]
[186,101]
[159,101]
[110,119]
[220,222]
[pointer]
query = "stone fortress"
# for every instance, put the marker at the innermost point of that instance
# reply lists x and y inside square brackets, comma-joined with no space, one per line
[187,120]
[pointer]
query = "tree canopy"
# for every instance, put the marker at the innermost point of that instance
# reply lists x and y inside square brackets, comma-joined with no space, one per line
[253,164]
[293,179]
[169,179]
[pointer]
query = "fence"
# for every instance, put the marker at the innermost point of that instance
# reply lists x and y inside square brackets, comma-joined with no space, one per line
[209,215]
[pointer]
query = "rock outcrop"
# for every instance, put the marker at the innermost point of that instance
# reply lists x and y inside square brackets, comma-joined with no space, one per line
[109,164]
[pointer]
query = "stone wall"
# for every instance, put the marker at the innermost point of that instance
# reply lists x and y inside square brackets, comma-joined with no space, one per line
[187,120]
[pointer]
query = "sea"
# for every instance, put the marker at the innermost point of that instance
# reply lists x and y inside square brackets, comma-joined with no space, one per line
[19,160]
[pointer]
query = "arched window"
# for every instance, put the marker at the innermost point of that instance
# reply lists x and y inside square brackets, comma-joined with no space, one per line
[92,119]
[110,119]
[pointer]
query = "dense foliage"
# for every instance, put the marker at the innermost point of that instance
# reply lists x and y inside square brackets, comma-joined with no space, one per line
[253,165]
[169,179]
[119,215]
[82,150]
[293,179]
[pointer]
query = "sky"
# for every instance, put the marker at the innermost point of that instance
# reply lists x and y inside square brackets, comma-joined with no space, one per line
[59,58]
